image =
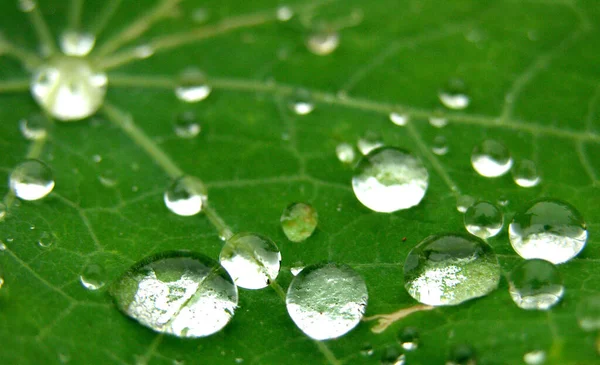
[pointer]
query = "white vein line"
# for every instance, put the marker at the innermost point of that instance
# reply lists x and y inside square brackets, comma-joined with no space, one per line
[84,219]
[44,331]
[592,109]
[587,166]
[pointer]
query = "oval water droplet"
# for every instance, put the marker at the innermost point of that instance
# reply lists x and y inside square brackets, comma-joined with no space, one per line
[548,229]
[390,179]
[392,356]
[483,219]
[93,277]
[74,43]
[34,127]
[463,202]
[454,95]
[323,42]
[45,240]
[284,13]
[536,357]
[462,355]
[185,294]
[302,103]
[192,86]
[408,338]
[398,118]
[252,260]
[491,159]
[31,180]
[368,142]
[186,196]
[187,125]
[588,312]
[449,269]
[345,153]
[299,221]
[327,300]
[525,174]
[535,284]
[439,145]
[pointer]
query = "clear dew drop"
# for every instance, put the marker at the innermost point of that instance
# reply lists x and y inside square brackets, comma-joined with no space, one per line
[491,159]
[438,121]
[345,153]
[537,357]
[31,180]
[74,43]
[548,229]
[327,300]
[368,142]
[390,179]
[192,86]
[525,174]
[252,260]
[463,202]
[45,240]
[295,270]
[93,277]
[484,219]
[284,13]
[302,103]
[535,284]
[449,269]
[186,196]
[181,293]
[392,356]
[299,221]
[399,119]
[588,313]
[187,125]
[27,6]
[34,127]
[439,145]
[462,355]
[322,43]
[408,338]
[69,88]
[454,95]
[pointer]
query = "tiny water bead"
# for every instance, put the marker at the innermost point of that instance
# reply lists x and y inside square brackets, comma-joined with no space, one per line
[69,88]
[439,145]
[408,338]
[449,269]
[252,260]
[302,103]
[187,125]
[548,229]
[463,202]
[454,95]
[322,43]
[74,43]
[438,121]
[284,13]
[525,174]
[367,350]
[345,153]
[491,159]
[295,270]
[45,240]
[399,118]
[93,277]
[31,180]
[536,357]
[462,355]
[484,219]
[34,127]
[327,300]
[186,196]
[368,142]
[390,179]
[299,221]
[588,313]
[535,284]
[192,86]
[181,293]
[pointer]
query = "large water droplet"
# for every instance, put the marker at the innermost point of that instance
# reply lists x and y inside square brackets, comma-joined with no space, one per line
[252,260]
[399,118]
[451,268]
[345,153]
[180,293]
[369,142]
[192,86]
[536,357]
[299,221]
[74,43]
[93,277]
[483,219]
[408,338]
[186,125]
[548,229]
[588,313]
[491,159]
[390,179]
[34,128]
[535,284]
[454,95]
[327,300]
[439,145]
[31,180]
[462,355]
[186,196]
[525,174]
[323,43]
[69,88]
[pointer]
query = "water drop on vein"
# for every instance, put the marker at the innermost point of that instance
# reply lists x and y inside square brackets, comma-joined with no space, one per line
[192,86]
[588,312]
[186,196]
[399,119]
[368,142]
[74,43]
[284,13]
[302,103]
[186,125]
[408,338]
[345,153]
[34,127]
[93,277]
[525,174]
[438,121]
[322,43]
[536,357]
[483,219]
[454,96]
[439,145]
[31,180]
[491,159]
[299,221]
[535,284]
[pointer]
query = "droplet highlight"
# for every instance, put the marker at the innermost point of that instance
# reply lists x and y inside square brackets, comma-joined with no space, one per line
[299,221]
[491,159]
[345,153]
[535,284]
[186,196]
[525,174]
[93,277]
[322,43]
[34,127]
[484,219]
[31,180]
[408,338]
[192,86]
[399,119]
[454,95]
[302,103]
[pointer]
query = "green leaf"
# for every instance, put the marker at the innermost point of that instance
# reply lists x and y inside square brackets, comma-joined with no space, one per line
[531,69]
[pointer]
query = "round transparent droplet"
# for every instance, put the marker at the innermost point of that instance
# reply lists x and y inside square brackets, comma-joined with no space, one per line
[186,196]
[192,86]
[302,103]
[299,221]
[588,312]
[252,260]
[45,240]
[449,269]
[399,118]
[535,284]
[439,145]
[368,142]
[525,174]
[323,43]
[454,95]
[484,219]
[93,277]
[345,153]
[327,300]
[408,338]
[284,13]
[69,88]
[463,202]
[74,43]
[31,180]
[491,159]
[390,179]
[392,355]
[462,355]
[438,121]
[537,357]
[548,229]
[34,127]
[187,125]
[180,293]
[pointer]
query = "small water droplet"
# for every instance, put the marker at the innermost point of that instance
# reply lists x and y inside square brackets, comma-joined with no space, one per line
[390,179]
[34,128]
[144,51]
[450,269]
[93,277]
[192,86]
[491,159]
[535,284]
[537,357]
[438,121]
[186,196]
[323,42]
[295,270]
[392,356]
[345,153]
[252,260]
[186,125]
[439,145]
[525,174]
[399,118]
[45,240]
[31,180]
[301,103]
[327,300]
[27,6]
[368,142]
[588,313]
[284,13]
[461,355]
[454,95]
[299,221]
[548,229]
[483,219]
[181,293]
[367,350]
[463,202]
[74,43]
[97,158]
[408,338]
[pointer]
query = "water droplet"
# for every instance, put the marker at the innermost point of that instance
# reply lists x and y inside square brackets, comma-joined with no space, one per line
[440,145]
[302,103]
[367,350]
[2,211]
[252,260]
[295,270]
[345,153]
[392,356]
[284,13]
[180,293]
[31,180]
[588,313]
[97,158]
[186,196]
[34,128]
[535,284]
[192,86]
[369,142]
[525,174]
[461,355]
[450,269]
[548,229]
[144,51]
[299,221]
[398,118]
[69,88]
[536,357]
[45,240]
[186,125]
[27,6]
[454,95]
[438,121]
[74,43]
[323,43]
[390,179]
[463,202]
[93,277]
[327,300]
[491,159]
[484,220]
[408,338]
